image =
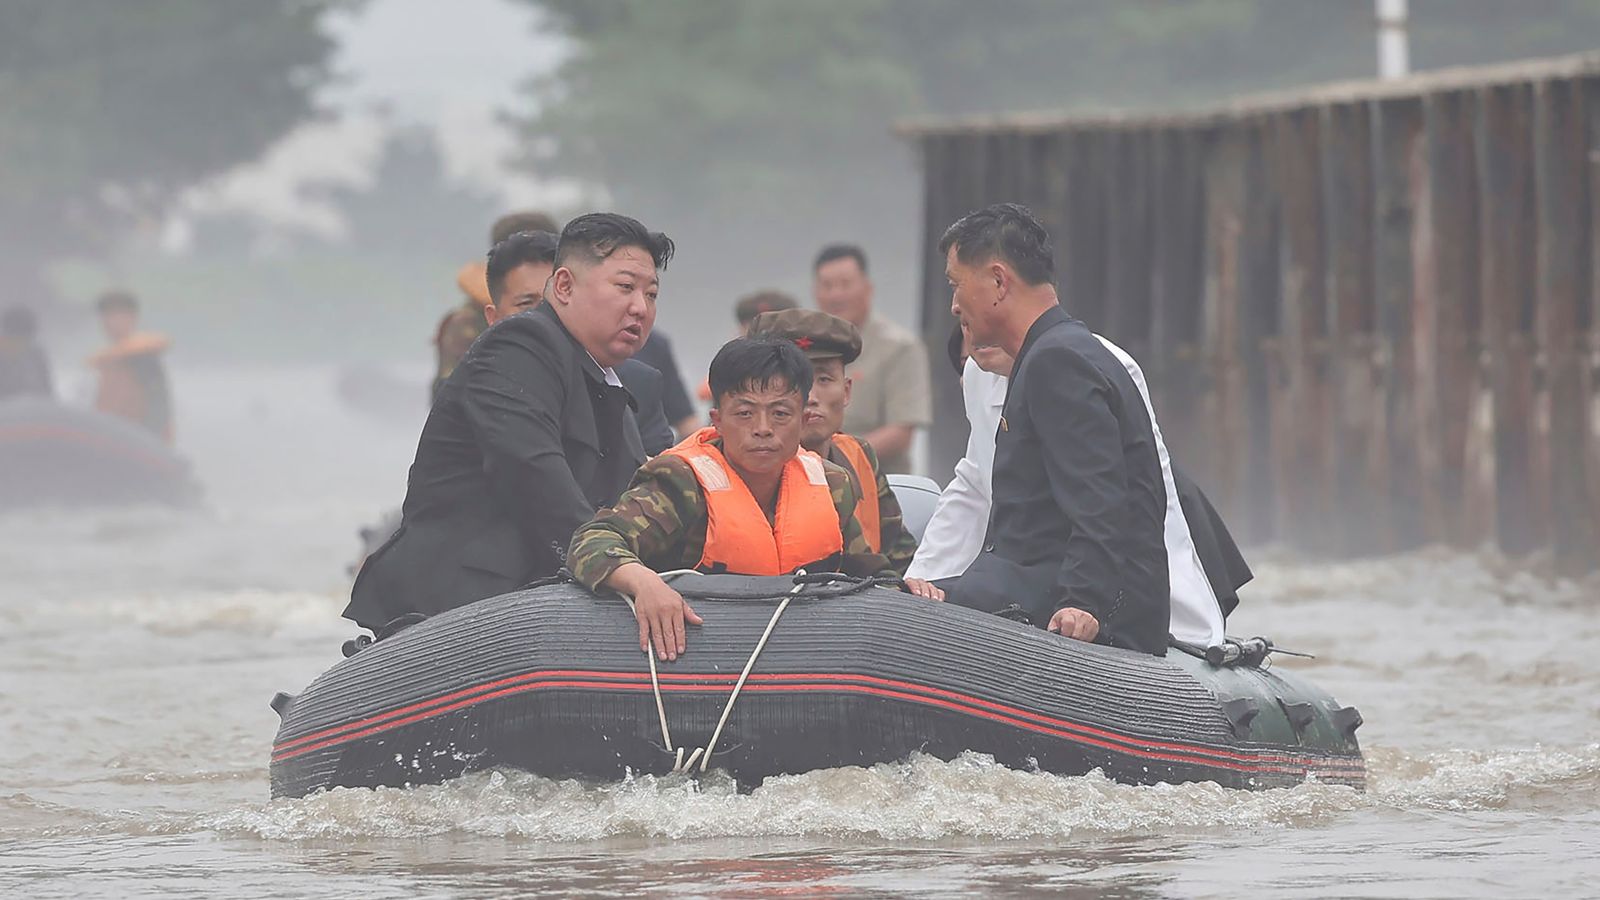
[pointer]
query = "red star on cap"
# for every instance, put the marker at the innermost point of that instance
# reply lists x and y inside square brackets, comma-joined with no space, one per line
[803,343]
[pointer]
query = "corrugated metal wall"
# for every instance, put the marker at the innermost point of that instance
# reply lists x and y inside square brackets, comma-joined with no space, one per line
[1369,312]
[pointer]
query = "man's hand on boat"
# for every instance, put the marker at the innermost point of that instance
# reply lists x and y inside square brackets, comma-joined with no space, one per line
[661,611]
[1075,624]
[924,589]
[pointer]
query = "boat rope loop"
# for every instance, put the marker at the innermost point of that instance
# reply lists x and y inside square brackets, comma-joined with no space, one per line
[702,755]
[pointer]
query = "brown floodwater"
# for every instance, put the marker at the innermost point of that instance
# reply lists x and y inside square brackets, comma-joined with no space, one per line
[138,649]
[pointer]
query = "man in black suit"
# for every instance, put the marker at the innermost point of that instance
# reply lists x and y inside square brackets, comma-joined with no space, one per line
[528,263]
[1075,540]
[530,434]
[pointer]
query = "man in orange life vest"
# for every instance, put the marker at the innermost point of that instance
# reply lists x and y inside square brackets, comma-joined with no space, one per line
[741,497]
[831,343]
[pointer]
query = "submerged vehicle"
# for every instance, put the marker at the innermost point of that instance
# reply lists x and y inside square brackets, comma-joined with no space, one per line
[53,454]
[787,675]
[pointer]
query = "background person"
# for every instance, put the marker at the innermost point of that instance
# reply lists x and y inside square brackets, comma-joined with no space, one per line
[461,325]
[831,344]
[954,534]
[529,436]
[132,381]
[892,397]
[24,366]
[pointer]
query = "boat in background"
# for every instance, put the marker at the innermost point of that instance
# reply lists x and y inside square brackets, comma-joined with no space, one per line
[57,455]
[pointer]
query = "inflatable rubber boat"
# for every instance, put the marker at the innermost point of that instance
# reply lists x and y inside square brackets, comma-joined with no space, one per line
[789,675]
[53,454]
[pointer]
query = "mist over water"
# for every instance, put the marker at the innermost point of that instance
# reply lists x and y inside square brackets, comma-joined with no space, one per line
[138,649]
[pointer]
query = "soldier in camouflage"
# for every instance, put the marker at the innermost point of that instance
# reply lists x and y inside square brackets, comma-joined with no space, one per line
[743,464]
[831,343]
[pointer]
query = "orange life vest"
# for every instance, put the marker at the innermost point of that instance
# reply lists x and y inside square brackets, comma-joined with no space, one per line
[867,512]
[739,539]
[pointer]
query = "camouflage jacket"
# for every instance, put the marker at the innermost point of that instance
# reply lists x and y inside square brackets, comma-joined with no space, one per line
[660,521]
[898,544]
[457,330]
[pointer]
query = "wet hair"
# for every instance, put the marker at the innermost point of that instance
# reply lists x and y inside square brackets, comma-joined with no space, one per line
[19,322]
[592,237]
[1008,232]
[511,223]
[116,300]
[519,249]
[840,251]
[756,364]
[953,346]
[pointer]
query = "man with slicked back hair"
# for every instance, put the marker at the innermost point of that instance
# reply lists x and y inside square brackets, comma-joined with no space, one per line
[529,435]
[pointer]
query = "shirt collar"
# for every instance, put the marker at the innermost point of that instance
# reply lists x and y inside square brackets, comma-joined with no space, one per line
[598,372]
[1051,317]
[609,373]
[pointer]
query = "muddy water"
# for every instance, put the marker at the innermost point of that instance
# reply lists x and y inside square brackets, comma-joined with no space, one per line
[138,650]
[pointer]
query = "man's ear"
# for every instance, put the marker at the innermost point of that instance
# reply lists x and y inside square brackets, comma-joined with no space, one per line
[561,286]
[848,381]
[716,419]
[1002,277]
[491,313]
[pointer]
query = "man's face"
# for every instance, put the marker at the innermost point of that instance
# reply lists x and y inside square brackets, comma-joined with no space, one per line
[523,290]
[974,299]
[119,323]
[843,290]
[824,412]
[994,360]
[609,306]
[988,357]
[760,427]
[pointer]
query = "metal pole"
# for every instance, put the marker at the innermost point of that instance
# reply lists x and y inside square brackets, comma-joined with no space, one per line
[1394,50]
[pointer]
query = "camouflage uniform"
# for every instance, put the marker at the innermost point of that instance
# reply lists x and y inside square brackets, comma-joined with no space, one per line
[821,336]
[898,544]
[660,521]
[457,330]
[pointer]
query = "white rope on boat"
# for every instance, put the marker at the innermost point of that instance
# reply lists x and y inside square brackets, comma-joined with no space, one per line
[703,754]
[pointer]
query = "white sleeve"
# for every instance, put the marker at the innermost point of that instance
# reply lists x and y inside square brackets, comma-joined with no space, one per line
[955,533]
[1196,615]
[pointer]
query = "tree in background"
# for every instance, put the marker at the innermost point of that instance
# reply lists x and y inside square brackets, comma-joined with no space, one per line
[756,130]
[409,204]
[110,109]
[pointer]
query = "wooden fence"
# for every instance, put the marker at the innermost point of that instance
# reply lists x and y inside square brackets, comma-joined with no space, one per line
[1369,313]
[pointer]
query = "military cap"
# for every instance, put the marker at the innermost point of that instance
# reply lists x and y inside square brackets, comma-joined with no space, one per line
[818,334]
[760,302]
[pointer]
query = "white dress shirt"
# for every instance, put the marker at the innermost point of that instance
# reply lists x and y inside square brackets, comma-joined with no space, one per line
[955,534]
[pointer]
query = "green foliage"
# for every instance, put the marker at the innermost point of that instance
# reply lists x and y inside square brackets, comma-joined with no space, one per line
[110,108]
[754,131]
[410,203]
[783,106]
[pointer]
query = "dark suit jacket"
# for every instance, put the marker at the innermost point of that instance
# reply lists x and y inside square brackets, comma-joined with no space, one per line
[657,354]
[525,441]
[1079,502]
[1224,565]
[646,384]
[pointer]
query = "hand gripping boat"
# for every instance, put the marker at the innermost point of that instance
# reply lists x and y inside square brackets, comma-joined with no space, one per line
[787,677]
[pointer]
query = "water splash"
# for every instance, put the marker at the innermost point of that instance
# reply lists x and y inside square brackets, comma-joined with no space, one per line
[922,799]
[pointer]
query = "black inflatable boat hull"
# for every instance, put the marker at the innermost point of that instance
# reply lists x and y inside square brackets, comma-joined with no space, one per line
[551,680]
[52,454]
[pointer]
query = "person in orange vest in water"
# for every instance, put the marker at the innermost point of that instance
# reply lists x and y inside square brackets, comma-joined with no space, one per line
[741,497]
[831,343]
[133,382]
